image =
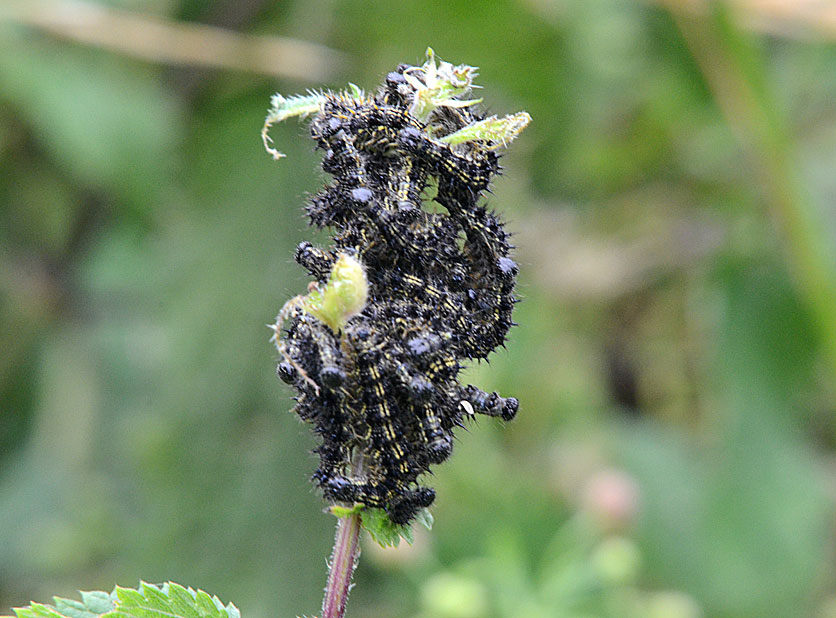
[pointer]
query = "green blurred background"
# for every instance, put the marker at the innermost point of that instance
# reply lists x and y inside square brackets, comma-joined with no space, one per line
[673,205]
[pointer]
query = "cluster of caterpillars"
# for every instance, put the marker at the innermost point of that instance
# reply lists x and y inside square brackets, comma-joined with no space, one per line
[382,393]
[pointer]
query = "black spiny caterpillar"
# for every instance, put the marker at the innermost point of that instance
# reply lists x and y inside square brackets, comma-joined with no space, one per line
[379,383]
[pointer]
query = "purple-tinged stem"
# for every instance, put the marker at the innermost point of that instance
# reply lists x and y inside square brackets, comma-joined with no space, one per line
[343,560]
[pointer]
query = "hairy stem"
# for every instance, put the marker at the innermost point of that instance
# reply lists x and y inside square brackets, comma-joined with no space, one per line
[344,557]
[343,560]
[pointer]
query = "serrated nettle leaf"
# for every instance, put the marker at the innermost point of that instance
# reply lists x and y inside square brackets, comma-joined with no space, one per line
[387,534]
[152,594]
[499,131]
[81,609]
[37,610]
[169,600]
[282,108]
[382,530]
[181,600]
[96,601]
[425,518]
[206,603]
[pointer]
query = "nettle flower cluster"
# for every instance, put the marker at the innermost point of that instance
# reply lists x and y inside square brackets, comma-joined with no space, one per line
[407,291]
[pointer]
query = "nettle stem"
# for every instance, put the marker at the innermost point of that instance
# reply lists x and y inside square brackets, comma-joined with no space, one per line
[344,557]
[343,561]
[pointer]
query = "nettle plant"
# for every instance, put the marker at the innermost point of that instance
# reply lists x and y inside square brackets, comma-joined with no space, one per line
[405,295]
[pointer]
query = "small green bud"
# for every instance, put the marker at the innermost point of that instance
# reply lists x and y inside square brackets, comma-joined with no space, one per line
[442,86]
[343,297]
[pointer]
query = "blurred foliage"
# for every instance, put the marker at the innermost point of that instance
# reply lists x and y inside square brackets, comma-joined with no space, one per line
[674,452]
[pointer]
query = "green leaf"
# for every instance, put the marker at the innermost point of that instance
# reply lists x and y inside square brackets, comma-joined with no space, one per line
[383,531]
[169,600]
[499,131]
[345,511]
[388,534]
[95,602]
[425,518]
[282,108]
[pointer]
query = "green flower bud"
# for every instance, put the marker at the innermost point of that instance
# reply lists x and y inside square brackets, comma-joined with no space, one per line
[343,297]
